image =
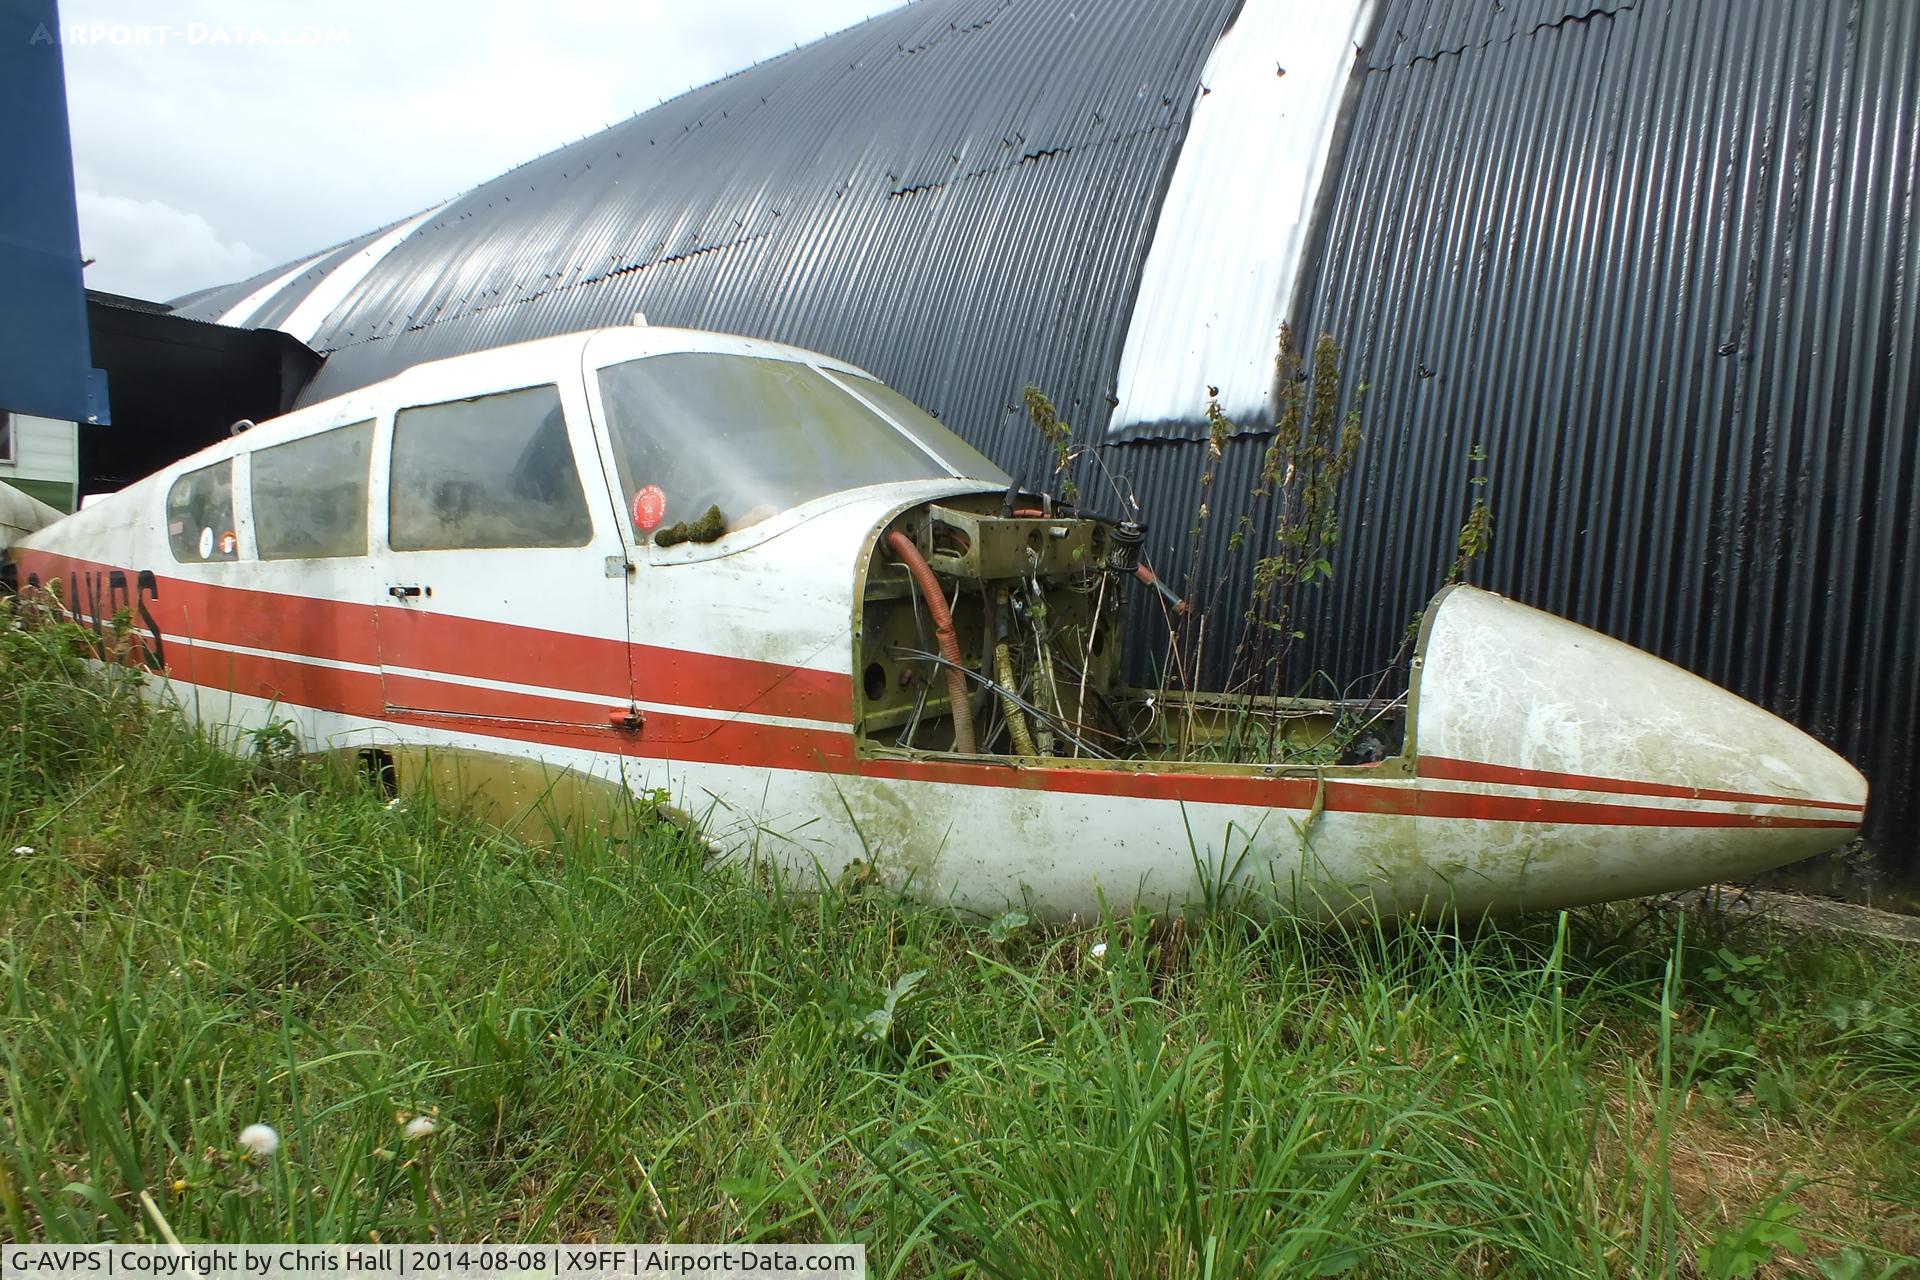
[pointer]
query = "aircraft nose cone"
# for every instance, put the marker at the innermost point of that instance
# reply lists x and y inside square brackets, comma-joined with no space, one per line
[1659,778]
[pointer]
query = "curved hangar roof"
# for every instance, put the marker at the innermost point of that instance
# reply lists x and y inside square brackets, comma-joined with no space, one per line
[1654,258]
[962,191]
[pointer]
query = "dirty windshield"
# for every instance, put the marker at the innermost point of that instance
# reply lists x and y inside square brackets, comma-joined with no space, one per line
[708,443]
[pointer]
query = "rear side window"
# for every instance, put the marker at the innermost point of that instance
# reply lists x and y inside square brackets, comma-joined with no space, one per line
[200,515]
[310,496]
[494,471]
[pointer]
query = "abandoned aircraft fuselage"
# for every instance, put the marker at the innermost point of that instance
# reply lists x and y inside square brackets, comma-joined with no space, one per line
[763,585]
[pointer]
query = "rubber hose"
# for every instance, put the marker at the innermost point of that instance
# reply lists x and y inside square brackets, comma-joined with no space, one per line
[1016,718]
[902,546]
[1146,575]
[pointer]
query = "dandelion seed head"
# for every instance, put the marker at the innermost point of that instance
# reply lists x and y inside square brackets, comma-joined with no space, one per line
[259,1140]
[417,1128]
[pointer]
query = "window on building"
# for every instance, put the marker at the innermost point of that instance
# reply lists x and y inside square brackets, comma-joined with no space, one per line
[310,495]
[200,515]
[494,471]
[6,436]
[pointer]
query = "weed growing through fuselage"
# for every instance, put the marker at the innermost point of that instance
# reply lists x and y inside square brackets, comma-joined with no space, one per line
[1290,523]
[458,1036]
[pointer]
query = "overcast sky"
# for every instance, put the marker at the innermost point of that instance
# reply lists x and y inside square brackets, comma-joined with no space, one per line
[221,137]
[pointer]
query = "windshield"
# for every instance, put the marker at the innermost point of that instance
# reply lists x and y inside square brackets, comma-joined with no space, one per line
[695,433]
[962,458]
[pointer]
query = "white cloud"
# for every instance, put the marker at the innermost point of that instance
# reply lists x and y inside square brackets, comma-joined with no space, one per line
[284,143]
[150,249]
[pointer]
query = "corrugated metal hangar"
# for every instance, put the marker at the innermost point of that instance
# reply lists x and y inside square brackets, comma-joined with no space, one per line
[1654,258]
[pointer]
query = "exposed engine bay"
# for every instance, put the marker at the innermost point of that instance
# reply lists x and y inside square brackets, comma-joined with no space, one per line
[993,626]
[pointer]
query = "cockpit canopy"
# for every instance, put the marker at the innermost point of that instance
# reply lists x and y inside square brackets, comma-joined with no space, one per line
[499,450]
[754,437]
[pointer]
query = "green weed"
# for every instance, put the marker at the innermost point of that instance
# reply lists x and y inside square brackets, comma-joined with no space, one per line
[457,1036]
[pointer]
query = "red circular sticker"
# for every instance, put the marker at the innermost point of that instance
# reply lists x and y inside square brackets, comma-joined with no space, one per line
[649,507]
[229,544]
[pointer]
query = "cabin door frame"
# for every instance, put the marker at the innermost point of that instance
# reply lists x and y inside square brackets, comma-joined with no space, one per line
[524,643]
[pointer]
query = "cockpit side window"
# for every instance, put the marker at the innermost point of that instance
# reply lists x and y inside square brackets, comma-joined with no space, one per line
[696,433]
[493,471]
[310,495]
[200,515]
[929,431]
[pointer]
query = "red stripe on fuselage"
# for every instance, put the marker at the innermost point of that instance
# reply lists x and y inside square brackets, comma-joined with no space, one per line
[515,717]
[1496,807]
[412,637]
[1341,795]
[275,679]
[1514,776]
[460,648]
[465,648]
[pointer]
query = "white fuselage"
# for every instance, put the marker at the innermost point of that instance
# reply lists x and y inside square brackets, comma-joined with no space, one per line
[1544,765]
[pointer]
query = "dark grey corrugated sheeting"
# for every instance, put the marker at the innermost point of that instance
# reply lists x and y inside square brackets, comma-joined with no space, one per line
[275,310]
[1659,260]
[213,304]
[1656,256]
[957,195]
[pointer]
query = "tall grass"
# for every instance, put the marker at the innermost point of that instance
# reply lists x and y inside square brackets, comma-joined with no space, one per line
[615,1038]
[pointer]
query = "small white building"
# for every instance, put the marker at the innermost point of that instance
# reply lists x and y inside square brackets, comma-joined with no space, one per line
[41,457]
